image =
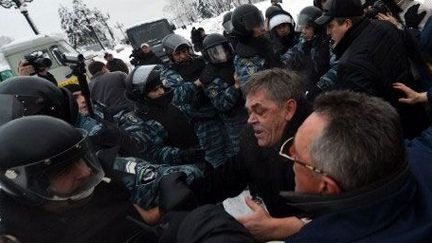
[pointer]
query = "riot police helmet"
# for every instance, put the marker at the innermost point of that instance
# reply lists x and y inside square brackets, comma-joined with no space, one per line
[142,80]
[307,17]
[174,42]
[217,49]
[245,18]
[30,95]
[40,154]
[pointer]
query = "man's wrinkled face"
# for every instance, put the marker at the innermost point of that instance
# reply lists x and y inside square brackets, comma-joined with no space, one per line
[283,29]
[68,180]
[337,31]
[306,180]
[82,104]
[268,118]
[182,55]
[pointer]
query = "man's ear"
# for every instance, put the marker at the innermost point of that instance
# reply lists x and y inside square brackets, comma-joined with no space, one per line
[348,23]
[329,186]
[290,108]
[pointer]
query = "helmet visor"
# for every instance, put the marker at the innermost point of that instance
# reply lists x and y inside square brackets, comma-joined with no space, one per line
[15,106]
[69,175]
[218,54]
[140,77]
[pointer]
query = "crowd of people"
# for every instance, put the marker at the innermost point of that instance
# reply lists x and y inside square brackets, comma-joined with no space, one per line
[325,119]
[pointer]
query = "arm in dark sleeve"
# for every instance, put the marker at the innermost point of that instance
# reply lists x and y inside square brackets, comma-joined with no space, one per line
[124,67]
[223,96]
[358,78]
[217,184]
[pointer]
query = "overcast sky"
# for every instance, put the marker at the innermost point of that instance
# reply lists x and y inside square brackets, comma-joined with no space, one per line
[44,14]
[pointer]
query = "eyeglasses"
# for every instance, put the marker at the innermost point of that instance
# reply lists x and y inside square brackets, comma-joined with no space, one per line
[286,151]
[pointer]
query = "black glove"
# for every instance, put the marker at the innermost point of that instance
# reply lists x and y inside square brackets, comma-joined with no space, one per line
[199,98]
[192,155]
[412,18]
[174,194]
[108,137]
[107,158]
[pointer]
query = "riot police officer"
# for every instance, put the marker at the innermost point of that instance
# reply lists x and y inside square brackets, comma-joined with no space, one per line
[152,103]
[182,75]
[223,89]
[254,50]
[53,188]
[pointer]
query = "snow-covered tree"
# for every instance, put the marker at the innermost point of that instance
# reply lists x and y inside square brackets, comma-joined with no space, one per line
[204,9]
[82,25]
[183,12]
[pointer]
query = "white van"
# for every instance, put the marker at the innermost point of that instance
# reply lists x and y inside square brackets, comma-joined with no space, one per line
[47,44]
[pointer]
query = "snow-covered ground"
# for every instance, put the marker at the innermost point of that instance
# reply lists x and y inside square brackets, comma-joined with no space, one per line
[213,25]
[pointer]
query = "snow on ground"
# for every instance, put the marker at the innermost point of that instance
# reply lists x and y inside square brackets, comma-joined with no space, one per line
[212,25]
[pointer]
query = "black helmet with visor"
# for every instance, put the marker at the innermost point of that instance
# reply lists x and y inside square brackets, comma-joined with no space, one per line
[217,49]
[35,150]
[245,18]
[30,95]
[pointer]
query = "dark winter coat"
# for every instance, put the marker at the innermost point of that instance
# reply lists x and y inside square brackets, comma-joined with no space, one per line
[149,58]
[108,88]
[262,169]
[281,45]
[426,37]
[108,216]
[209,223]
[117,65]
[311,59]
[181,133]
[49,77]
[372,56]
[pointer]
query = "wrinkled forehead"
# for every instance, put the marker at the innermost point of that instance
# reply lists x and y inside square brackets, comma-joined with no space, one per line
[260,97]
